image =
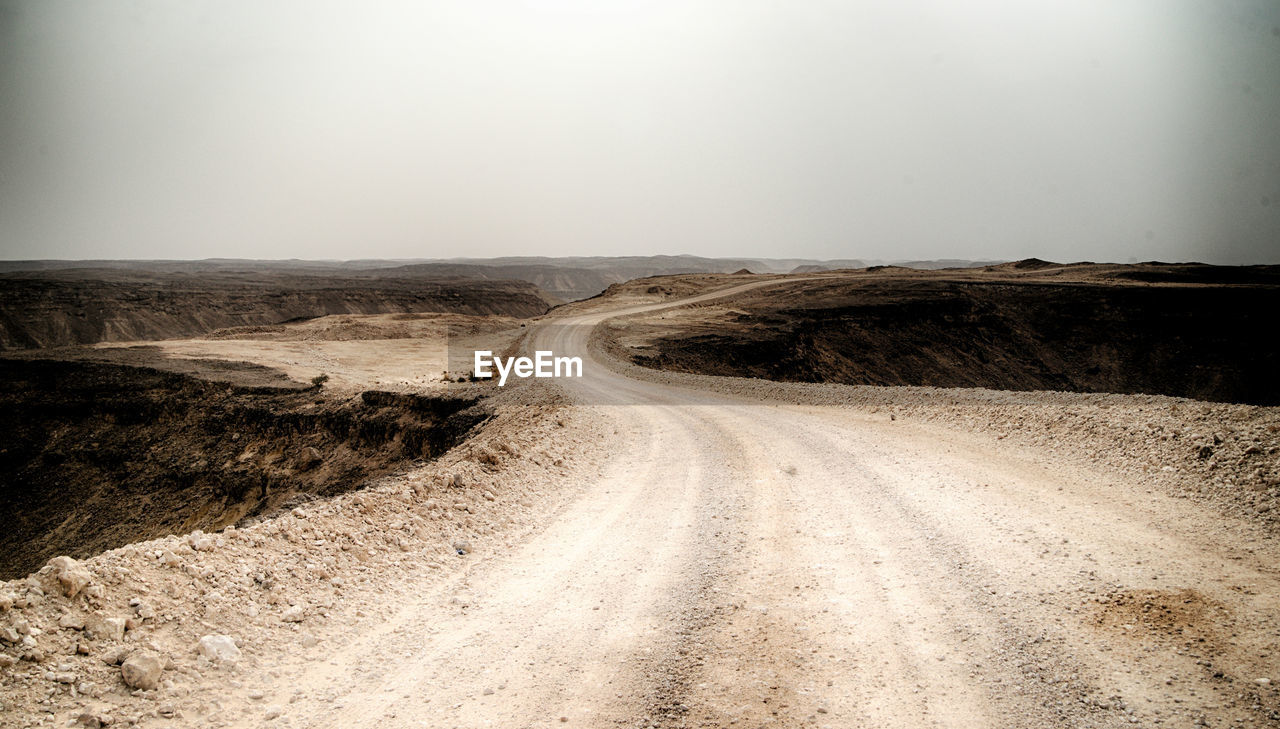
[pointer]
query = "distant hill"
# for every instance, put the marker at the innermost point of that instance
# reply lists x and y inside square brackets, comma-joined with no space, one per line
[941,263]
[567,277]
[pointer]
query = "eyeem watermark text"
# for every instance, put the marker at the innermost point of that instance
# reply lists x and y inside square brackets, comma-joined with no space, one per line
[543,364]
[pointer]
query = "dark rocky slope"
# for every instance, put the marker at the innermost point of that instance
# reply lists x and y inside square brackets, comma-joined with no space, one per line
[94,455]
[1209,342]
[62,308]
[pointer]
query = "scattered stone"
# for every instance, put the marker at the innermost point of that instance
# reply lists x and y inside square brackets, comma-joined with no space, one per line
[100,628]
[219,649]
[115,656]
[63,677]
[462,547]
[169,559]
[292,614]
[272,712]
[71,621]
[9,635]
[200,541]
[7,660]
[89,719]
[310,458]
[71,575]
[142,669]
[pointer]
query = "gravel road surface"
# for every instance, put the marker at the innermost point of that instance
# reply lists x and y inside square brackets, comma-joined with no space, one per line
[748,563]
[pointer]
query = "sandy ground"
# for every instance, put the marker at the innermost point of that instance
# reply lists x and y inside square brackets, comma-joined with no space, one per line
[401,352]
[668,555]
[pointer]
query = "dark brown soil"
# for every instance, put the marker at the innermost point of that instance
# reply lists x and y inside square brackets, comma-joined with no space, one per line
[1026,326]
[96,455]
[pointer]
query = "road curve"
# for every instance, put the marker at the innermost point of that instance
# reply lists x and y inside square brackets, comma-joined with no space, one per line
[741,564]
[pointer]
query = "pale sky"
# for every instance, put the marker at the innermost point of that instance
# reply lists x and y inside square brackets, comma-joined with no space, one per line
[1064,129]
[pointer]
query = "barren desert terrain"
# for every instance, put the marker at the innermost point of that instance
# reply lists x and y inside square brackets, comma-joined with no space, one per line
[652,548]
[1163,329]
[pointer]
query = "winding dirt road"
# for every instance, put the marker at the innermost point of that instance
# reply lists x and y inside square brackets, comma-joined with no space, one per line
[742,564]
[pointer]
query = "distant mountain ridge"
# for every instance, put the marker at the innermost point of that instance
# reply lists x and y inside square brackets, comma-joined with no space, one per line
[566,278]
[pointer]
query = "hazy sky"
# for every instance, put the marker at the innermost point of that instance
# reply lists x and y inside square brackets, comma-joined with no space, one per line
[1069,130]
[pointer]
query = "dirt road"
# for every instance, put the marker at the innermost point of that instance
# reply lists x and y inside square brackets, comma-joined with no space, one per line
[744,564]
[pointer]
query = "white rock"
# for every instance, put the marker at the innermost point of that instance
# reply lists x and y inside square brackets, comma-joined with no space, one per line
[219,649]
[292,615]
[72,576]
[200,541]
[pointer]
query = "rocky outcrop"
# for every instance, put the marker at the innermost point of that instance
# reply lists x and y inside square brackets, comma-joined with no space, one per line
[53,309]
[99,455]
